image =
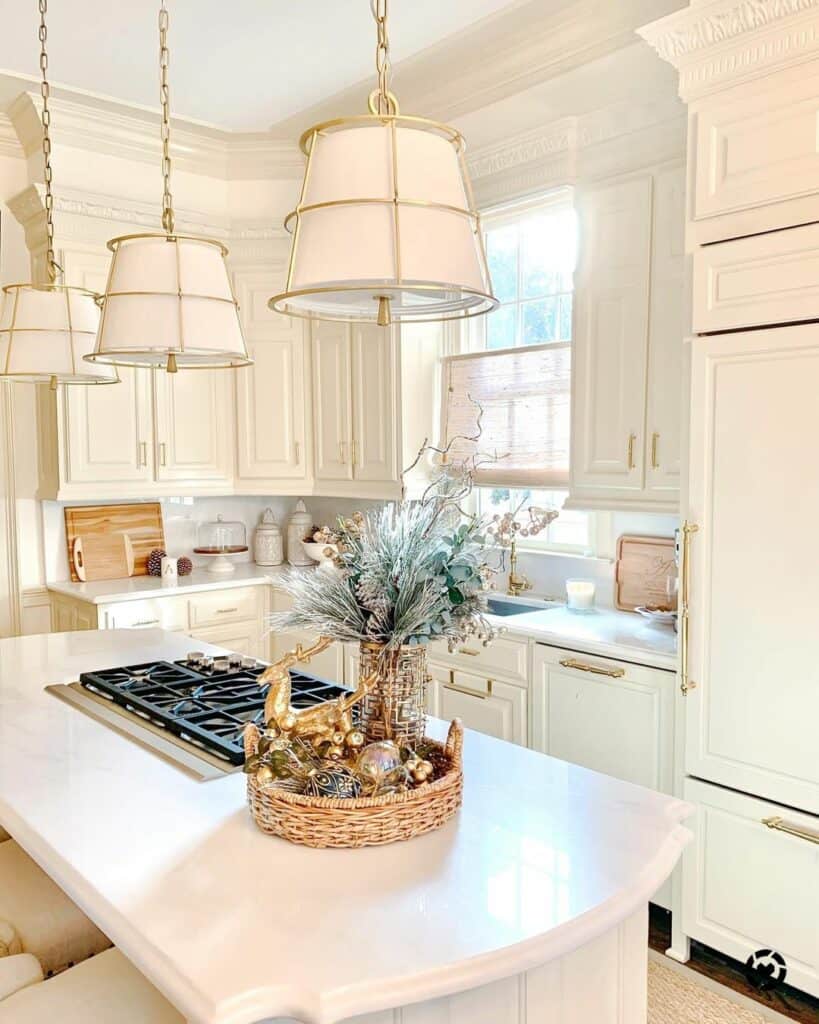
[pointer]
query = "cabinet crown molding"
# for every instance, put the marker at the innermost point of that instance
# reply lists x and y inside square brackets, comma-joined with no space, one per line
[715,43]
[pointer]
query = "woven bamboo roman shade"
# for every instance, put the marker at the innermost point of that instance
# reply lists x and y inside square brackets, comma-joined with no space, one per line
[524,394]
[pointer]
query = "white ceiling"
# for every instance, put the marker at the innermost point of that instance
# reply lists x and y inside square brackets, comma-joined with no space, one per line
[238,64]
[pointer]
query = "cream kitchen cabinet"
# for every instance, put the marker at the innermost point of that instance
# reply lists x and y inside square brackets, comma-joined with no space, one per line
[273,429]
[628,344]
[753,696]
[356,409]
[487,705]
[193,428]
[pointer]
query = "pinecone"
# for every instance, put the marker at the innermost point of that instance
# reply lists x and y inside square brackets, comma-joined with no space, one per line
[184,566]
[155,562]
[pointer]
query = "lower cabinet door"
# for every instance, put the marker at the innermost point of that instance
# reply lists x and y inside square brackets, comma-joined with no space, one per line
[486,705]
[749,886]
[242,637]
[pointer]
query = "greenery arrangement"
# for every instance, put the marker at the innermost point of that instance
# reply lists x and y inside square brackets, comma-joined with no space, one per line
[407,574]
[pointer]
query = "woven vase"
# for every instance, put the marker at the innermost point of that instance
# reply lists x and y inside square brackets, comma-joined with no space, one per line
[396,708]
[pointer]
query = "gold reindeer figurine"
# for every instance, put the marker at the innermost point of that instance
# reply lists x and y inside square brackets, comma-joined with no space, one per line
[316,723]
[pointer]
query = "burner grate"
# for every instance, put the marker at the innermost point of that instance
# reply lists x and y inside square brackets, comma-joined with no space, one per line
[209,709]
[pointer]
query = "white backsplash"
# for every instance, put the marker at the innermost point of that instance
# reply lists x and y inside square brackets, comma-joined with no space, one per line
[547,572]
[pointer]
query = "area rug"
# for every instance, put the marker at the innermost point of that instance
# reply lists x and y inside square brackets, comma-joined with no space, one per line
[675,996]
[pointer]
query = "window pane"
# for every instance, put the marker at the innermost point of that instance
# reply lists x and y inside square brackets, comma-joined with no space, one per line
[540,321]
[571,530]
[502,256]
[564,331]
[547,251]
[502,327]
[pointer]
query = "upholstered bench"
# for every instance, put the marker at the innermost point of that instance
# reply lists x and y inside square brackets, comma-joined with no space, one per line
[106,988]
[37,917]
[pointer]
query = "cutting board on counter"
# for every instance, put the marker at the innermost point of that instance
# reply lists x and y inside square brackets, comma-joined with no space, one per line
[644,565]
[140,521]
[108,557]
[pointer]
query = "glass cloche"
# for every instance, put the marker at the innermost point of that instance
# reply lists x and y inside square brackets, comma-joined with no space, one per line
[219,538]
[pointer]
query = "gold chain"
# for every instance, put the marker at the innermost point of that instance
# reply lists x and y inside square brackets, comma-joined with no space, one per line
[165,100]
[382,55]
[51,264]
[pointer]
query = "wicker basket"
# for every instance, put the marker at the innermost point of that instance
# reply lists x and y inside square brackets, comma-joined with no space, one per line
[362,821]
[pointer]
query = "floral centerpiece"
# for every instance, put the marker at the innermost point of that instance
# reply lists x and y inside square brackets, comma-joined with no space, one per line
[406,574]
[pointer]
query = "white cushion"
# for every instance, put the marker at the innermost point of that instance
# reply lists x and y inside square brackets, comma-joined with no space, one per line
[104,989]
[16,972]
[47,922]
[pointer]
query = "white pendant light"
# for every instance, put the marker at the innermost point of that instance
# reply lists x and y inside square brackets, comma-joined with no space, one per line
[168,301]
[386,227]
[47,329]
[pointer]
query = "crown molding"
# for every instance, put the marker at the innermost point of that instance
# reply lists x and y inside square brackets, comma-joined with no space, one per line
[716,43]
[112,129]
[520,46]
[610,140]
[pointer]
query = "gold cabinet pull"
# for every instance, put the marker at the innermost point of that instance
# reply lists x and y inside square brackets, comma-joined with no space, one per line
[226,611]
[342,452]
[780,825]
[688,530]
[297,452]
[468,650]
[598,670]
[354,448]
[465,691]
[146,622]
[142,453]
[655,437]
[630,450]
[163,453]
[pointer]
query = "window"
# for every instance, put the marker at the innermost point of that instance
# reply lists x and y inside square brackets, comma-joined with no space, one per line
[531,250]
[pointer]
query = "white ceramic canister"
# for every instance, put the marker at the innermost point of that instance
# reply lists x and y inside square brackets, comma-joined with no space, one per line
[268,545]
[298,525]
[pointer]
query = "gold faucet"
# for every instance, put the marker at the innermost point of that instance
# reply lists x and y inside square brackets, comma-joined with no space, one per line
[518,582]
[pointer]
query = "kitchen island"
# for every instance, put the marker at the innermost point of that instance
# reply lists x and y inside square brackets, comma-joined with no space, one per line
[530,905]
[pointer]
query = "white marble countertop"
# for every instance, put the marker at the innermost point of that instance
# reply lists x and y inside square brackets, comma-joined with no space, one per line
[235,927]
[135,588]
[603,631]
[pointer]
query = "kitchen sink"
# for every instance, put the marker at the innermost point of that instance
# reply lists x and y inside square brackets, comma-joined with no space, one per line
[506,606]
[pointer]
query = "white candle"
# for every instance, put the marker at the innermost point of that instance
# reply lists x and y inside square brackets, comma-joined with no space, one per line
[580,594]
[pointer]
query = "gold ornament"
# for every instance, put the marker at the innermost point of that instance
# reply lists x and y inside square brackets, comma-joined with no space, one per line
[264,774]
[355,739]
[337,738]
[335,752]
[377,760]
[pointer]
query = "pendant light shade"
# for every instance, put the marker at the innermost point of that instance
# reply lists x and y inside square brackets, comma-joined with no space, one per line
[45,332]
[386,227]
[385,216]
[169,300]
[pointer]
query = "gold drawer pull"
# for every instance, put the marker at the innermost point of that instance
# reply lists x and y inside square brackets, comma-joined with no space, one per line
[147,622]
[581,666]
[780,825]
[470,693]
[469,651]
[226,611]
[655,437]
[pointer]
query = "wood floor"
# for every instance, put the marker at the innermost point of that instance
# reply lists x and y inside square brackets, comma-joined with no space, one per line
[785,1000]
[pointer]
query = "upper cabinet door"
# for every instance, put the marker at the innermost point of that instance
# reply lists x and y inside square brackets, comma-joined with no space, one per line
[194,426]
[751,718]
[611,341]
[375,403]
[667,328]
[270,407]
[106,434]
[332,400]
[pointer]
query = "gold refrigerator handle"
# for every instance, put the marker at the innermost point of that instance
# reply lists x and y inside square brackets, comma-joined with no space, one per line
[688,530]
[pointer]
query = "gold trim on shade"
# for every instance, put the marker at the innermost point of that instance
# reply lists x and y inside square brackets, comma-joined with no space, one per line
[172,357]
[72,378]
[386,291]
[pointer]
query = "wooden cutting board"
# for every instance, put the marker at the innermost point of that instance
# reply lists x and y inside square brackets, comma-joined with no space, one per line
[644,565]
[108,557]
[141,521]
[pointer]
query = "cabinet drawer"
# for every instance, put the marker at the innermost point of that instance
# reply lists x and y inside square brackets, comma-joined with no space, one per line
[502,657]
[486,705]
[747,886]
[159,613]
[216,607]
[751,282]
